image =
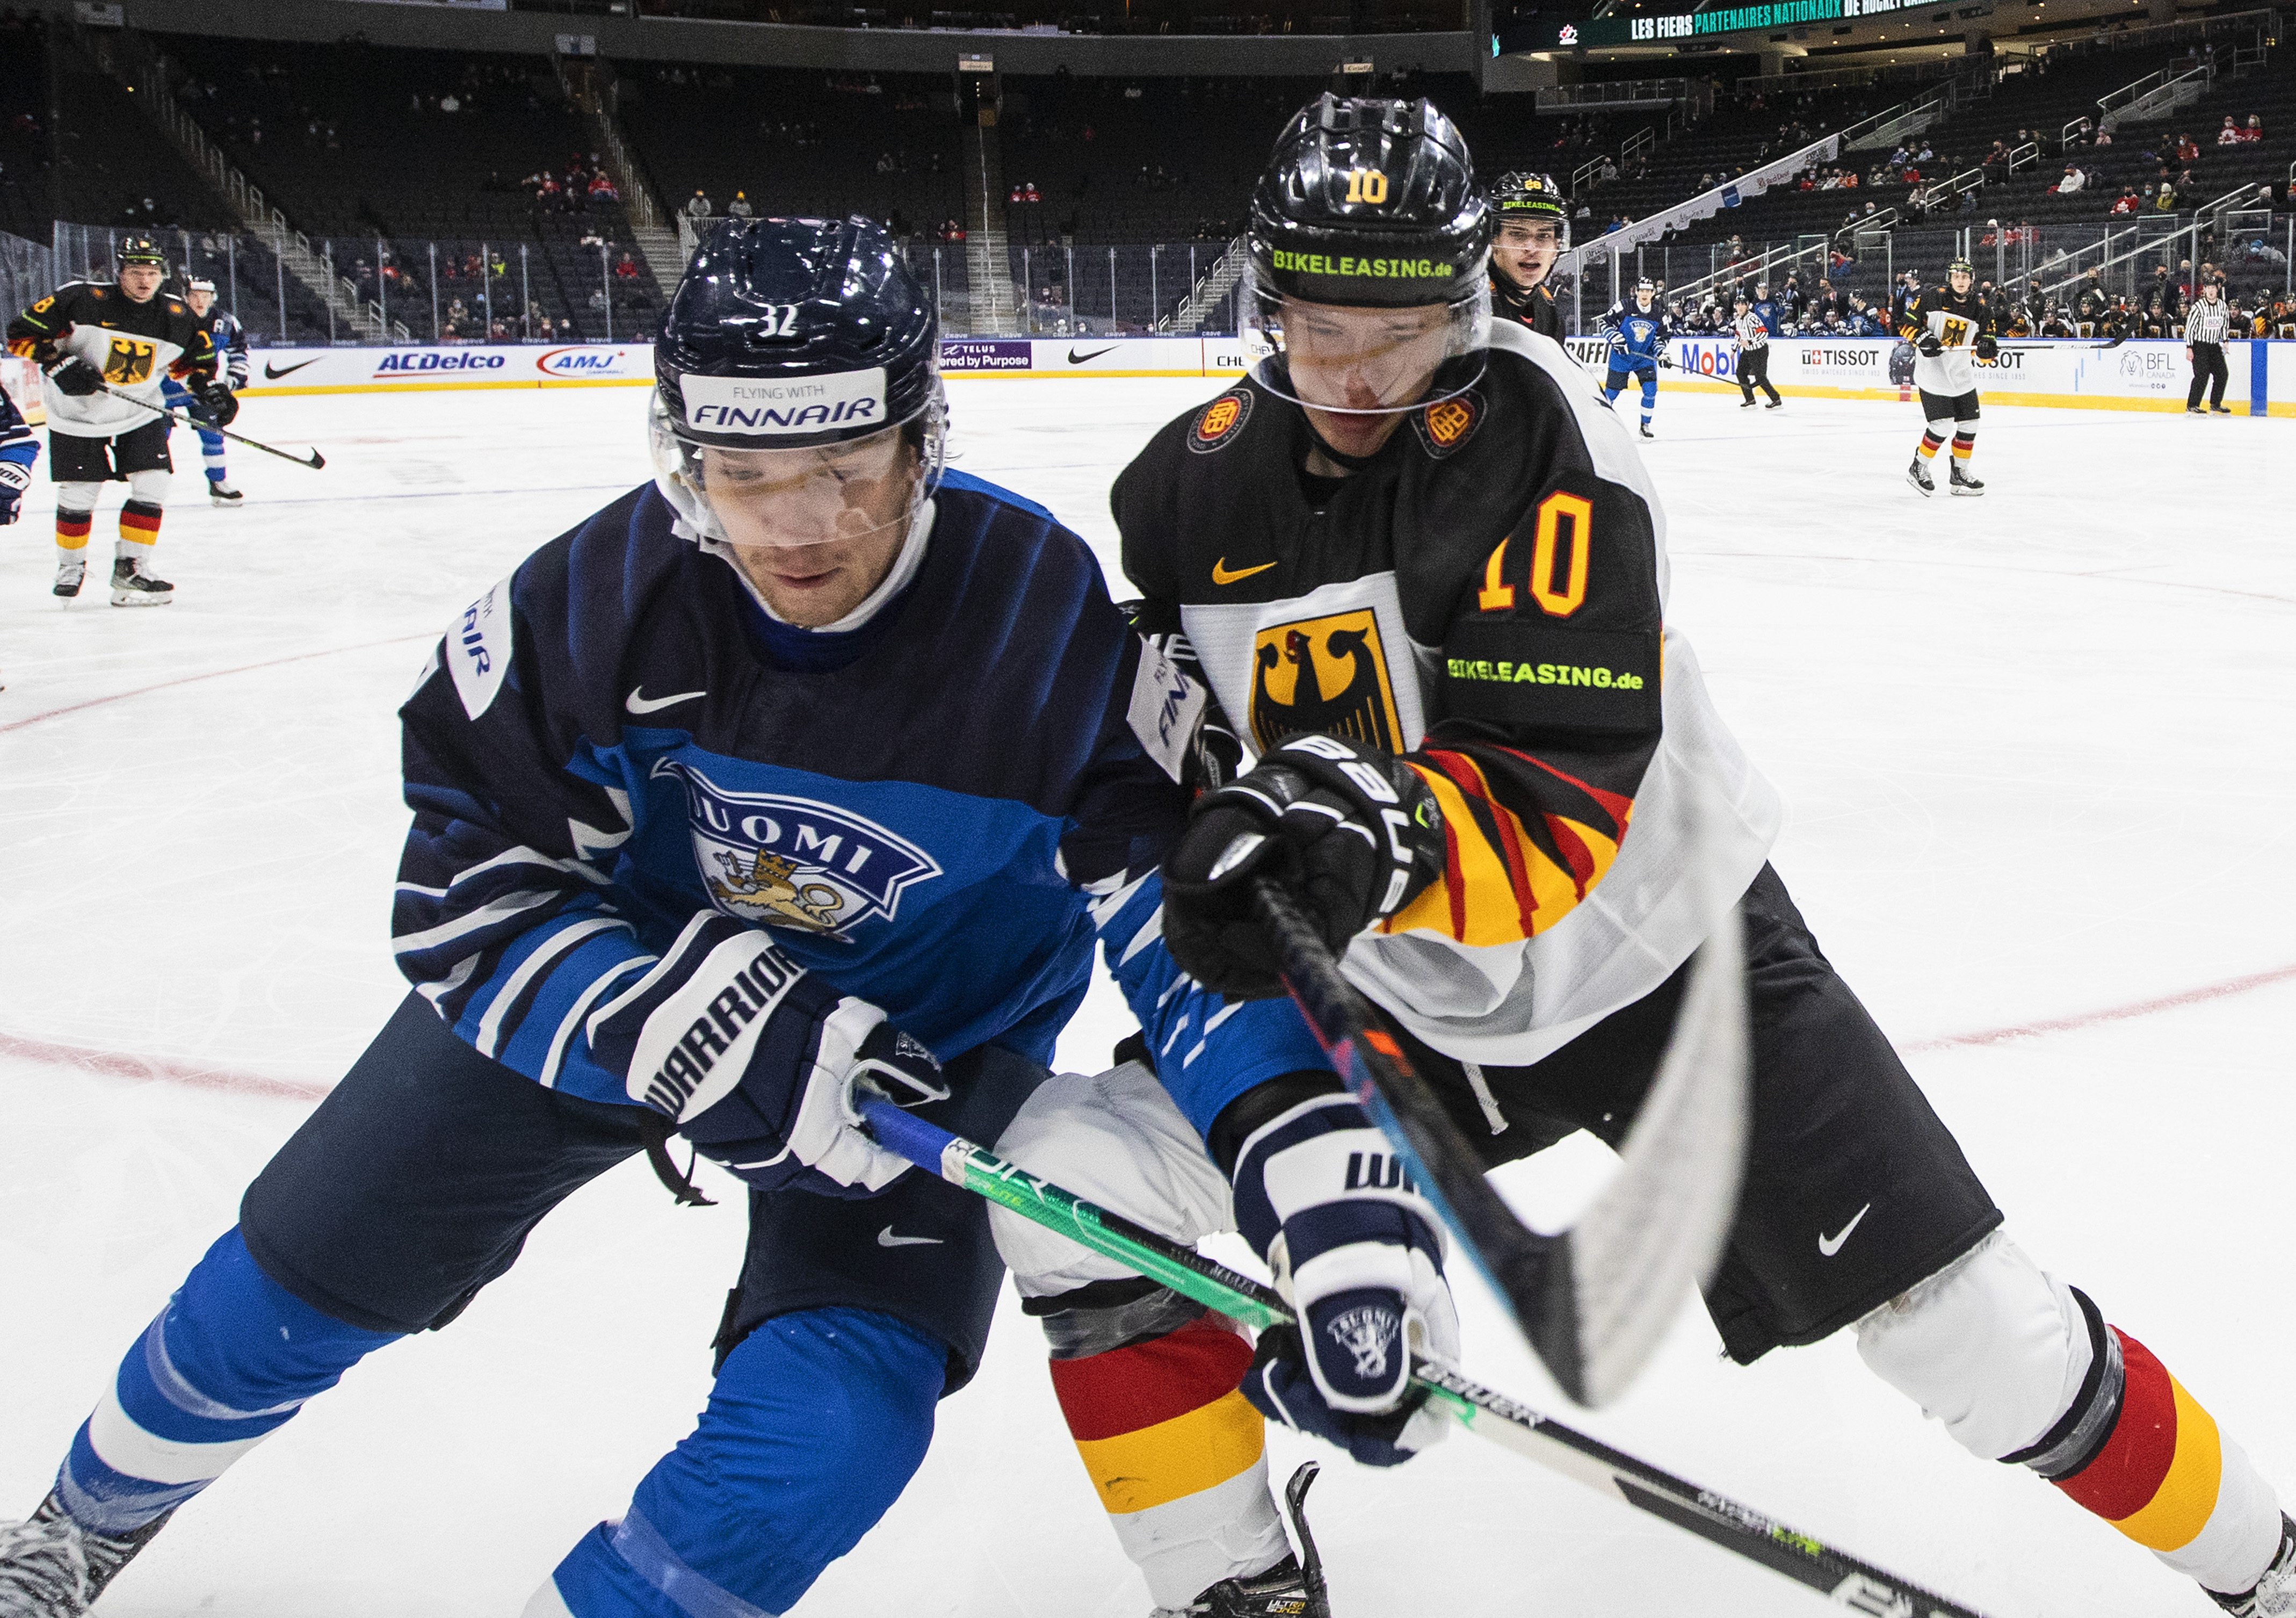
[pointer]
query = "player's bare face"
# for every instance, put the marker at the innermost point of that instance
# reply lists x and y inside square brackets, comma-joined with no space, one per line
[200,303]
[1358,359]
[815,529]
[140,281]
[1526,251]
[1960,280]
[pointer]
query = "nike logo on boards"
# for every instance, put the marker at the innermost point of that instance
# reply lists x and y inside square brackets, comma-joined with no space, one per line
[276,372]
[1076,359]
[1828,1245]
[1221,573]
[639,702]
[885,1238]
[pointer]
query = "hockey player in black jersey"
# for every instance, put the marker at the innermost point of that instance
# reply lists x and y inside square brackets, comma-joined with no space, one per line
[1532,230]
[1949,326]
[97,341]
[1488,768]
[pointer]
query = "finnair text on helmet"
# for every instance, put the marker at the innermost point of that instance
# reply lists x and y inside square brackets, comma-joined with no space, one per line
[767,407]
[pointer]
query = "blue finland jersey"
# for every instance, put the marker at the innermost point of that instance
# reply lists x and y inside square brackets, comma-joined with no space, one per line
[933,812]
[17,443]
[1643,335]
[230,339]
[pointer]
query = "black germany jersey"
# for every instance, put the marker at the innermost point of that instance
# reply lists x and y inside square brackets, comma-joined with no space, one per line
[136,346]
[1535,308]
[1486,598]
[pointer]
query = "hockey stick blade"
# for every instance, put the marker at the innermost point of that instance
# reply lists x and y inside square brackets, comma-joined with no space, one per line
[1719,1520]
[314,460]
[1593,1301]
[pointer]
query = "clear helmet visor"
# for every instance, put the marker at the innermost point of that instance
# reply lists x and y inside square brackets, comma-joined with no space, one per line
[850,491]
[1364,361]
[1526,246]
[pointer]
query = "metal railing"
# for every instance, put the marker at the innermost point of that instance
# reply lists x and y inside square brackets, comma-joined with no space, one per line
[1908,117]
[1618,93]
[2025,155]
[1771,264]
[2158,93]
[1946,190]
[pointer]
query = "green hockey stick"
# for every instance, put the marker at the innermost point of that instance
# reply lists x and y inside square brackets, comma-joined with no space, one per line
[1841,1578]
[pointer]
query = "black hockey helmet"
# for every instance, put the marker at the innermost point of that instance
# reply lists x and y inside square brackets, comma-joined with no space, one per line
[796,335]
[1370,202]
[137,250]
[1522,194]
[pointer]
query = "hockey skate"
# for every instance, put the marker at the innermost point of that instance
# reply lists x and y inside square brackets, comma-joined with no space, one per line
[132,586]
[1918,475]
[1748,405]
[1292,1589]
[2220,410]
[1774,404]
[69,575]
[1963,484]
[224,494]
[50,1567]
[1647,432]
[2274,1595]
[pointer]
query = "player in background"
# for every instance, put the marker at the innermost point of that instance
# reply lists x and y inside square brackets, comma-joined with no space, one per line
[788,771]
[1637,329]
[1533,230]
[1450,655]
[18,449]
[1753,363]
[1949,326]
[127,335]
[230,340]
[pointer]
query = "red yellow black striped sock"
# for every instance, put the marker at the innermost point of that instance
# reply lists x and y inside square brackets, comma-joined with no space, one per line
[1931,444]
[1963,444]
[139,525]
[71,532]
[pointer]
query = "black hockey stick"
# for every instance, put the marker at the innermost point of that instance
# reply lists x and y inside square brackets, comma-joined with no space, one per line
[2064,342]
[1594,1301]
[315,461]
[1833,1573]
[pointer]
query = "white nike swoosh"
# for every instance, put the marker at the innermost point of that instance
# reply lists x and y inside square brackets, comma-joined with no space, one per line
[885,1238]
[1827,1246]
[639,702]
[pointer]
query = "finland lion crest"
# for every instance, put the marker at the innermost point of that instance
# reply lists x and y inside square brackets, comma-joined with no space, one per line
[785,861]
[1366,1332]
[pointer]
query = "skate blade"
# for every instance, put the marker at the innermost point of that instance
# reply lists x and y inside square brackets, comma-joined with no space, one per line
[137,598]
[1972,493]
[1918,487]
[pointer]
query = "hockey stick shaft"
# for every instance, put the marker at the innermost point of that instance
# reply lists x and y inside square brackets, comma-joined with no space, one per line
[314,460]
[1738,1529]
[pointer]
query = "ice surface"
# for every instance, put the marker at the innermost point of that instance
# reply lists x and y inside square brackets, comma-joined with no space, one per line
[2037,748]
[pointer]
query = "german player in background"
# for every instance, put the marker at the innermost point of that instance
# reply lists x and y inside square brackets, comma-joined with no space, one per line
[809,764]
[1533,230]
[1949,327]
[96,341]
[1448,651]
[230,340]
[1637,330]
[1753,361]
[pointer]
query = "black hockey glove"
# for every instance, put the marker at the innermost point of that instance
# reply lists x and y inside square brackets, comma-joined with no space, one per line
[1930,346]
[73,375]
[1666,362]
[222,404]
[15,477]
[1352,833]
[1987,346]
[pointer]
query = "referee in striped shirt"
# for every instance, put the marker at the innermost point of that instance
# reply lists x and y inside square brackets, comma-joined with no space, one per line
[2207,324]
[1753,355]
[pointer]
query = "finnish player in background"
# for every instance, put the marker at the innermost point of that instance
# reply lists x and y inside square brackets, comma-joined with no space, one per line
[1533,230]
[19,451]
[1753,361]
[232,368]
[807,764]
[96,340]
[1424,571]
[1637,330]
[1949,326]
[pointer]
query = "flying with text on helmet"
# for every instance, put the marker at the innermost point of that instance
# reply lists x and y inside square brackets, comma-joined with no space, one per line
[1637,329]
[1532,229]
[1950,326]
[806,765]
[110,348]
[1448,659]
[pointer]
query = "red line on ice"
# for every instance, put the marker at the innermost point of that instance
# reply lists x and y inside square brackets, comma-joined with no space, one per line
[212,674]
[118,1064]
[2111,1014]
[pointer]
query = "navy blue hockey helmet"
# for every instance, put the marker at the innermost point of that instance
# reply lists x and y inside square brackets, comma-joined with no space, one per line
[797,359]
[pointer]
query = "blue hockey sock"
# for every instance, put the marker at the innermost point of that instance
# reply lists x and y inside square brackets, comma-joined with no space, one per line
[816,1423]
[231,1358]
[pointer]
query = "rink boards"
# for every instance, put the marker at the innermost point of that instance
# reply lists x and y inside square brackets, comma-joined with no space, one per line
[2140,375]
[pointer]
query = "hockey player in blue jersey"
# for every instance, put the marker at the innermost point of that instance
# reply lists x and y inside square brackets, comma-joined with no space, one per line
[17,450]
[806,765]
[1637,333]
[230,340]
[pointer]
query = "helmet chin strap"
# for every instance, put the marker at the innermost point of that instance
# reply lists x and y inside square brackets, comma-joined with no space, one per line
[1353,462]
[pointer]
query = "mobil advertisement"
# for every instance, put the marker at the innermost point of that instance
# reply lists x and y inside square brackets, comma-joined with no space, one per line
[422,367]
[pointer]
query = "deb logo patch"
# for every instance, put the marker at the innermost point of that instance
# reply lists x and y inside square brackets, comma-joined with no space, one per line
[785,861]
[478,647]
[1219,421]
[770,407]
[1446,425]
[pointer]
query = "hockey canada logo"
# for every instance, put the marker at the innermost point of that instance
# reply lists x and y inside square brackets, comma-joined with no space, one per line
[1366,1332]
[1446,425]
[785,861]
[1220,421]
[1323,674]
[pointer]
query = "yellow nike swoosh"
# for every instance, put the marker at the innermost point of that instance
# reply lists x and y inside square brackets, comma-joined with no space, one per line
[1220,574]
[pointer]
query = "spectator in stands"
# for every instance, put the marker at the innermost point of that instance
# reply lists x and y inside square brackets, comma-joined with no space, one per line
[2129,202]
[601,189]
[2073,181]
[2188,150]
[2165,200]
[738,208]
[2103,136]
[2229,135]
[2254,131]
[698,209]
[625,268]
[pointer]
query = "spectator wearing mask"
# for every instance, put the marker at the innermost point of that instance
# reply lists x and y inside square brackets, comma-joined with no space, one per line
[2074,181]
[2229,135]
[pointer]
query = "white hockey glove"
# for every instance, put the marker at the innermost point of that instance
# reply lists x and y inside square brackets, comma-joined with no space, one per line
[1358,1252]
[754,1060]
[15,477]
